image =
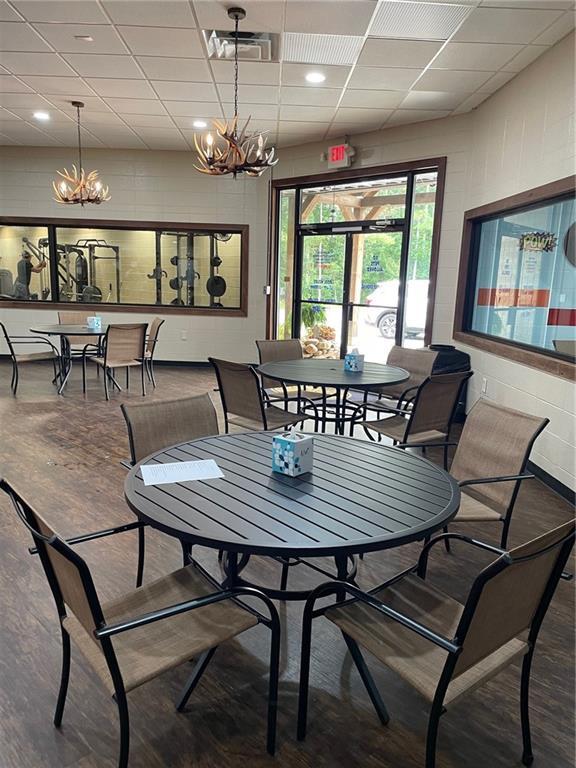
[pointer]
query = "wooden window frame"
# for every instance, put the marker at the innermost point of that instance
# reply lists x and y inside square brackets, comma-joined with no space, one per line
[120,224]
[549,362]
[437,164]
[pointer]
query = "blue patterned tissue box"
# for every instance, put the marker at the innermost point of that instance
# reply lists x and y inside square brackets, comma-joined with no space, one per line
[292,453]
[354,362]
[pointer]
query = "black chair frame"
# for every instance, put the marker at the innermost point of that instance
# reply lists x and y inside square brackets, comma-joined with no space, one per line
[11,341]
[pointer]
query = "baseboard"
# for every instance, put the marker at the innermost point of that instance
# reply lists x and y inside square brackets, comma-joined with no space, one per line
[173,363]
[552,482]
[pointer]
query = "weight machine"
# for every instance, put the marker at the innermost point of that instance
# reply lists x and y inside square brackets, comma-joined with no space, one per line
[40,253]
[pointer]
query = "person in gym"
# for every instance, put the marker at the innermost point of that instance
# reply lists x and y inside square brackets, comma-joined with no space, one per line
[21,288]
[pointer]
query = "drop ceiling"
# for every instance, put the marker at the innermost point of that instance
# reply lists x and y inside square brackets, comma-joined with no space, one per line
[145,77]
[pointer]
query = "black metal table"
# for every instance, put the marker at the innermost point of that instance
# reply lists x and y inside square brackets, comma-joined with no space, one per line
[64,332]
[361,497]
[331,374]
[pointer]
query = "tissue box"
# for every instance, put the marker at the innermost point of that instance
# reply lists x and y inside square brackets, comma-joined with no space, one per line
[94,323]
[292,453]
[353,362]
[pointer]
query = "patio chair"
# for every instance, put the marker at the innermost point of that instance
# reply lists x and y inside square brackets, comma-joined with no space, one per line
[418,363]
[243,403]
[18,359]
[134,638]
[443,648]
[151,342]
[78,343]
[490,462]
[428,421]
[124,347]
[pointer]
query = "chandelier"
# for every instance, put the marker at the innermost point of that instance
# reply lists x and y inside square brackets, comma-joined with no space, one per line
[234,150]
[78,187]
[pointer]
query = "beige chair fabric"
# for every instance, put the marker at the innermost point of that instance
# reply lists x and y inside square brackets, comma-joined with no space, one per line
[418,363]
[242,399]
[124,346]
[152,339]
[271,351]
[148,651]
[431,416]
[495,442]
[495,636]
[77,318]
[156,425]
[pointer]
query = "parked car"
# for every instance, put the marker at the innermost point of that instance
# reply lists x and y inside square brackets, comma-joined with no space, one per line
[384,300]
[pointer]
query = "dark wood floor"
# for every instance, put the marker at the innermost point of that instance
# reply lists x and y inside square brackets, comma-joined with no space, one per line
[64,453]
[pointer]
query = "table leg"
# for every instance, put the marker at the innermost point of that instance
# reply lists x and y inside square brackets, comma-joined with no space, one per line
[66,362]
[337,412]
[231,565]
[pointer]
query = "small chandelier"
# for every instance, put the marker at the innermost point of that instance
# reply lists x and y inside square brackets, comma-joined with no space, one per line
[78,187]
[233,151]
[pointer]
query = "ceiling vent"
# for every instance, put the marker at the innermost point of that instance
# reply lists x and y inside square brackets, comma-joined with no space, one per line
[252,46]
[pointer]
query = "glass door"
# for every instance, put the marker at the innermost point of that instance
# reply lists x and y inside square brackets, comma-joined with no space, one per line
[320,307]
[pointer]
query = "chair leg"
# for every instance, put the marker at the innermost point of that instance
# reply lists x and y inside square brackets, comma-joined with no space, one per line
[65,677]
[505,531]
[194,678]
[84,373]
[120,696]
[527,756]
[141,552]
[14,383]
[367,679]
[284,576]
[152,377]
[106,374]
[143,376]
[432,736]
[274,675]
[446,541]
[446,457]
[127,377]
[303,691]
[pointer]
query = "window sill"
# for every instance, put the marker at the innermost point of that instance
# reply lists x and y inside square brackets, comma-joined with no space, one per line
[156,309]
[542,362]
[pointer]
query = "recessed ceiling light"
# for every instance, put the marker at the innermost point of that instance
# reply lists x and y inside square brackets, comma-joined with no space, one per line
[315,77]
[84,38]
[200,124]
[41,115]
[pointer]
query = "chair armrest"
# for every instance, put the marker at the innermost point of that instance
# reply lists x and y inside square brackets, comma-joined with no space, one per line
[126,463]
[503,479]
[33,340]
[300,399]
[108,630]
[412,444]
[96,535]
[423,559]
[370,600]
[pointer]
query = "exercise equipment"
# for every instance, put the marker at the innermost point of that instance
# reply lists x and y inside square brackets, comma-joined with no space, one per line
[216,285]
[93,245]
[40,253]
[183,260]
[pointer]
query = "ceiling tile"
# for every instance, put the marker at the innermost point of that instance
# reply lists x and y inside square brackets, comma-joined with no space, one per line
[57,117]
[425,21]
[186,126]
[255,94]
[148,41]
[367,118]
[297,127]
[23,101]
[372,99]
[193,108]
[451,80]
[308,114]
[383,78]
[27,134]
[261,16]
[148,121]
[9,84]
[117,139]
[63,38]
[97,65]
[63,11]
[162,68]
[179,91]
[118,87]
[68,135]
[256,111]
[92,104]
[295,74]
[20,37]
[35,64]
[475,56]
[321,49]
[432,100]
[381,52]
[504,25]
[157,133]
[143,13]
[136,106]
[249,72]
[70,86]
[7,13]
[347,17]
[526,56]
[471,102]
[557,31]
[554,5]
[99,119]
[322,97]
[402,116]
[496,82]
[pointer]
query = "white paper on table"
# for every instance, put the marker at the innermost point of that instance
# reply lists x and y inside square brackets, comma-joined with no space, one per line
[180,472]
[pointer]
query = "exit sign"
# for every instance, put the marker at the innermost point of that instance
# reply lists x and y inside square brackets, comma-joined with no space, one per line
[340,155]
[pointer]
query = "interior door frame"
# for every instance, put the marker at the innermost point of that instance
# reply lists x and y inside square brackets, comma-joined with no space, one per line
[437,164]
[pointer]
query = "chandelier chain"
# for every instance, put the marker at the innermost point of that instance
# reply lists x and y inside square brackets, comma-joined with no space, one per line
[236,65]
[79,144]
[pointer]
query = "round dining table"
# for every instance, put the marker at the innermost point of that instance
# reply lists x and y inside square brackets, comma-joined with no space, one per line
[331,374]
[64,332]
[360,497]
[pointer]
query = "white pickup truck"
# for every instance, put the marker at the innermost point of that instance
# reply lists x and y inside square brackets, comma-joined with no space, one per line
[384,301]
